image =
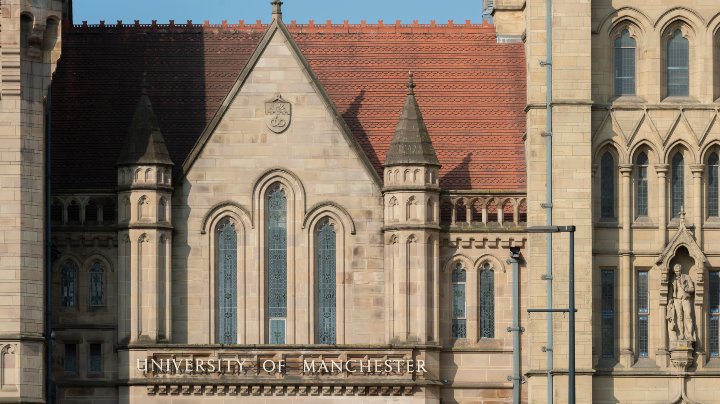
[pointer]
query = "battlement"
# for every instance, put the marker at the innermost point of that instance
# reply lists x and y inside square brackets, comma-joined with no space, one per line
[310,27]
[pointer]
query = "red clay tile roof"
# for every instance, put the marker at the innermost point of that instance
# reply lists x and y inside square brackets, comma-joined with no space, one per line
[471,91]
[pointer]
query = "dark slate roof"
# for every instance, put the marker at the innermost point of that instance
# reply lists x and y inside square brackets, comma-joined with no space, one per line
[472,92]
[411,143]
[145,143]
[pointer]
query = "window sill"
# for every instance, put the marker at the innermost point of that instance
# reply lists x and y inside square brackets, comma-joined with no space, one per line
[643,223]
[627,100]
[680,100]
[712,223]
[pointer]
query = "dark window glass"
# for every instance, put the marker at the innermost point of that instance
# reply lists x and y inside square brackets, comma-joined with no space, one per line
[712,185]
[459,321]
[643,304]
[677,185]
[226,294]
[607,186]
[70,360]
[641,186]
[326,282]
[95,365]
[607,315]
[625,64]
[678,65]
[714,313]
[487,302]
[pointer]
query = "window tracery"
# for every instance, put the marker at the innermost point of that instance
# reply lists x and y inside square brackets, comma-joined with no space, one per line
[325,250]
[226,294]
[277,264]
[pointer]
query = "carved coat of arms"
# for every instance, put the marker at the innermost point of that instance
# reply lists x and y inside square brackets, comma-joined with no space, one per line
[278,113]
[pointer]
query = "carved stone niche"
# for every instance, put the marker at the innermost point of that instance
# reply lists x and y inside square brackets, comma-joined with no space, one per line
[681,348]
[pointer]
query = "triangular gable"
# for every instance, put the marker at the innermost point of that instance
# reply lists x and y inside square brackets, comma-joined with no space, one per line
[278,26]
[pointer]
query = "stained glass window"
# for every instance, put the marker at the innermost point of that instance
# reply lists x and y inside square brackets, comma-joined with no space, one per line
[678,65]
[97,284]
[277,264]
[607,186]
[712,185]
[625,64]
[68,284]
[643,304]
[607,314]
[227,282]
[641,186]
[487,302]
[95,365]
[326,286]
[678,184]
[459,321]
[714,313]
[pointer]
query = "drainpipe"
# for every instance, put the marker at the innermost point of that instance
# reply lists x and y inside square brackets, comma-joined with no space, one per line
[548,205]
[515,328]
[49,393]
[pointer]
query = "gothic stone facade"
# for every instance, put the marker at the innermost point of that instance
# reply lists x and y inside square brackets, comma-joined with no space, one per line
[277,212]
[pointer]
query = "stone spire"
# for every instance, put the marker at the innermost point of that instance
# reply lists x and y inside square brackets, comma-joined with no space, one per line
[145,143]
[411,143]
[277,9]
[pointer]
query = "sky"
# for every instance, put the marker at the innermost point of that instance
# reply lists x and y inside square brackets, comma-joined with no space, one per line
[301,10]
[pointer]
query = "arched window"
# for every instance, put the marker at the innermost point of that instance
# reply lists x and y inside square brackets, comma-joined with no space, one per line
[325,258]
[487,302]
[641,185]
[162,210]
[625,64]
[712,185]
[459,315]
[276,265]
[226,292]
[97,284]
[677,182]
[678,65]
[607,186]
[68,284]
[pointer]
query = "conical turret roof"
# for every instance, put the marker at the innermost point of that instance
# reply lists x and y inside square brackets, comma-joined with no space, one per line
[411,143]
[145,143]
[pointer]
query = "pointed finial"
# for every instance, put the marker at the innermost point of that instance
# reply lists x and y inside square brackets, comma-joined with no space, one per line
[277,9]
[411,84]
[143,84]
[682,216]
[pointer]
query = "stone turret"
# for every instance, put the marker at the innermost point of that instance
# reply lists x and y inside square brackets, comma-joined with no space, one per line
[411,195]
[144,229]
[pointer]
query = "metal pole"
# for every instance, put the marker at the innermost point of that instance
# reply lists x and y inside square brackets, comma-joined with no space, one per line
[49,387]
[549,195]
[516,329]
[571,327]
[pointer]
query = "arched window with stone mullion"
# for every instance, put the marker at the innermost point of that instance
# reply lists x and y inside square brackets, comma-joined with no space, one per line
[97,284]
[68,284]
[712,185]
[624,64]
[459,302]
[276,265]
[678,65]
[641,185]
[226,282]
[677,184]
[607,186]
[487,302]
[326,275]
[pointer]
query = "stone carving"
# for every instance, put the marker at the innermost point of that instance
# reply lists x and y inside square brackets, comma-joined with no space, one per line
[679,308]
[278,113]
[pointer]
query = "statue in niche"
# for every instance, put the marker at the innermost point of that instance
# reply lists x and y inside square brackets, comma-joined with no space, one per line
[679,308]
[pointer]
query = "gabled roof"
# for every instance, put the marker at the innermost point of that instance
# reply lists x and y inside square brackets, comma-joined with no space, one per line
[411,143]
[145,143]
[472,92]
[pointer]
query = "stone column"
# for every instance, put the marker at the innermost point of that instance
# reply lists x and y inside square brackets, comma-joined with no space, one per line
[626,272]
[697,210]
[662,170]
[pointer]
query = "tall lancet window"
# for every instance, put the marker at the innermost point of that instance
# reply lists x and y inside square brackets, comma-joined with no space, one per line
[487,302]
[714,313]
[678,65]
[677,184]
[226,294]
[607,186]
[641,185]
[712,185]
[277,265]
[68,284]
[97,284]
[459,315]
[325,255]
[625,64]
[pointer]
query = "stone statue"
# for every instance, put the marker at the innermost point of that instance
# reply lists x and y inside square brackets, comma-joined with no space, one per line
[679,308]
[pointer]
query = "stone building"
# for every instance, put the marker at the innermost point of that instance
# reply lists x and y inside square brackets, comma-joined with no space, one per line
[328,212]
